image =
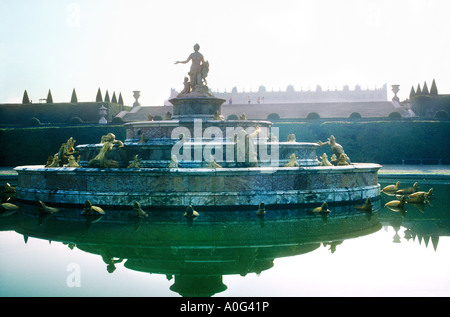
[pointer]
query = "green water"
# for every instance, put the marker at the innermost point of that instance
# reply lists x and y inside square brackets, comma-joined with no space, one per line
[289,252]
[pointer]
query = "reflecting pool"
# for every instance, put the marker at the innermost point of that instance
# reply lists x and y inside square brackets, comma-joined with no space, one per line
[288,252]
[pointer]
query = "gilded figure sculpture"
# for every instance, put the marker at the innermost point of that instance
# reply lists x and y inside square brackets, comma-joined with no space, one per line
[342,160]
[136,163]
[44,209]
[391,188]
[292,161]
[324,160]
[8,189]
[190,212]
[218,116]
[91,209]
[101,160]
[174,162]
[138,212]
[66,150]
[261,209]
[168,116]
[291,138]
[336,148]
[408,190]
[396,203]
[366,207]
[212,163]
[55,162]
[243,116]
[72,162]
[323,209]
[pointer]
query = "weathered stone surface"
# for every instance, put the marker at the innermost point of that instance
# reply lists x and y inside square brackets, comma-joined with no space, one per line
[198,186]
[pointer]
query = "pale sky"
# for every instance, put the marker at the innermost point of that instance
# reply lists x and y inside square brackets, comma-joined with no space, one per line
[126,45]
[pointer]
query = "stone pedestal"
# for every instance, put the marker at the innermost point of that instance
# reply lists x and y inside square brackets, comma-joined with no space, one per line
[196,107]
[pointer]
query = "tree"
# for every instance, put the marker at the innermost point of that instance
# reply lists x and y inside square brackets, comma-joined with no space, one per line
[395,115]
[412,92]
[99,97]
[313,116]
[74,98]
[49,97]
[120,99]
[107,96]
[433,89]
[425,89]
[114,98]
[418,90]
[25,98]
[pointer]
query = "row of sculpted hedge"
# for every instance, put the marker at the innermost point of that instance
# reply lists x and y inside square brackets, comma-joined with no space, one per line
[383,142]
[58,112]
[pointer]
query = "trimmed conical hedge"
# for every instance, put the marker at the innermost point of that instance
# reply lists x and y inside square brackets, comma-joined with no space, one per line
[25,98]
[49,97]
[74,98]
[99,97]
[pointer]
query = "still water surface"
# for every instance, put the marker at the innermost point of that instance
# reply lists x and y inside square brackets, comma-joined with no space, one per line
[287,253]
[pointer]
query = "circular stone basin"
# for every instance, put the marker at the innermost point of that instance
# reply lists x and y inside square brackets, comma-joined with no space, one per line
[180,187]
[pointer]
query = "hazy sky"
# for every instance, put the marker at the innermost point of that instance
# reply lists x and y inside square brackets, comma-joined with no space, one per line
[126,45]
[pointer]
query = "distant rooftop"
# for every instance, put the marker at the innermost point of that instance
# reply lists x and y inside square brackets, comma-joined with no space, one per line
[291,95]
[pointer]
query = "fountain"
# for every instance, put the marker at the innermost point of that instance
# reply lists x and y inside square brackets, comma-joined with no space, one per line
[196,157]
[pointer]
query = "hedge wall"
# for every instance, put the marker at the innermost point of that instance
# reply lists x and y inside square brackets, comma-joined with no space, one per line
[32,146]
[383,142]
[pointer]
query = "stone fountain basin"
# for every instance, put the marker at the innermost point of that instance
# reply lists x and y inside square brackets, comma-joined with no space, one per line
[157,153]
[180,187]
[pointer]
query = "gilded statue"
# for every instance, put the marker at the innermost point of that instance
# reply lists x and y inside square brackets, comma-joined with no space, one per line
[212,163]
[91,209]
[136,163]
[44,209]
[324,160]
[342,160]
[396,204]
[292,161]
[174,162]
[101,160]
[65,151]
[291,138]
[218,116]
[72,162]
[323,209]
[243,116]
[366,207]
[190,212]
[54,161]
[408,190]
[391,188]
[168,116]
[336,148]
[138,212]
[261,209]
